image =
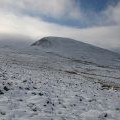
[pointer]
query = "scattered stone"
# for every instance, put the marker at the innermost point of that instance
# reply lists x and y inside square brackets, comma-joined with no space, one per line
[24,81]
[5,88]
[34,93]
[53,104]
[41,94]
[2,113]
[20,100]
[48,102]
[91,100]
[20,88]
[34,88]
[44,105]
[1,92]
[103,116]
[27,88]
[34,109]
[118,109]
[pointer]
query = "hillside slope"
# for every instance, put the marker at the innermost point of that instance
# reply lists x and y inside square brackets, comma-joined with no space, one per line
[59,79]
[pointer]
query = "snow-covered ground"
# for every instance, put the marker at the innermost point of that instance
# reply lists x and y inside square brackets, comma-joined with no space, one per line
[59,79]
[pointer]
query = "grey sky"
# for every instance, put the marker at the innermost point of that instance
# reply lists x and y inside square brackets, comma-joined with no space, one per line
[16,17]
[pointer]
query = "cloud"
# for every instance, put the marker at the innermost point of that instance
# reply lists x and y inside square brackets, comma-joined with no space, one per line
[50,8]
[14,41]
[113,13]
[61,10]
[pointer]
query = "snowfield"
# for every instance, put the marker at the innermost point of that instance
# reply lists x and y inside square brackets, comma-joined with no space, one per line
[59,79]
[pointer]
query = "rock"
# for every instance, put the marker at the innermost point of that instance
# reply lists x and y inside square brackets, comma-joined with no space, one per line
[5,88]
[1,92]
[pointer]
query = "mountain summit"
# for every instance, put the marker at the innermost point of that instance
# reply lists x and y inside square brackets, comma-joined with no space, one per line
[77,50]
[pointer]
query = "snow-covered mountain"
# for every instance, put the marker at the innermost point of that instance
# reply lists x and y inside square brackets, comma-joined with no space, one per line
[59,79]
[77,50]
